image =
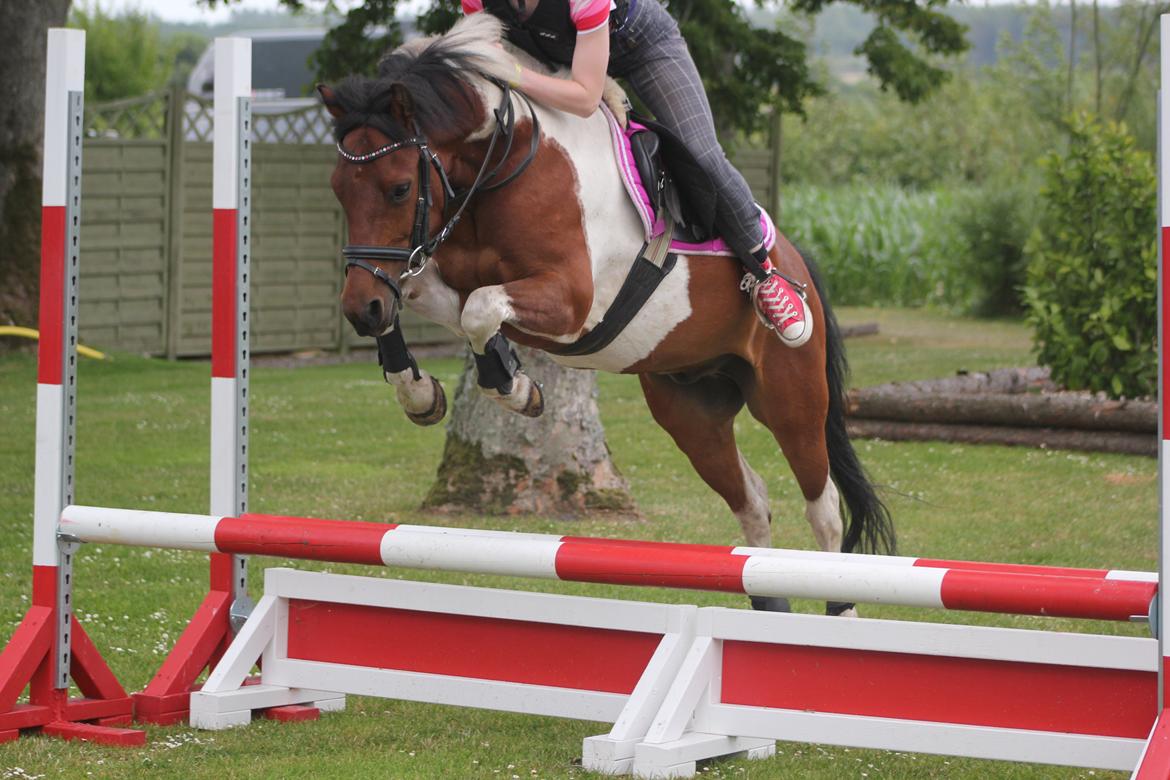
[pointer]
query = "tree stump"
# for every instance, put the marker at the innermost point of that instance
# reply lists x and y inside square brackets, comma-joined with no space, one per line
[498,462]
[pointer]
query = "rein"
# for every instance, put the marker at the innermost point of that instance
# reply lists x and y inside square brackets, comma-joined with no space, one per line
[422,245]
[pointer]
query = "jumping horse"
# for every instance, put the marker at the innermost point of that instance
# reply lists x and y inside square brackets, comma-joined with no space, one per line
[502,220]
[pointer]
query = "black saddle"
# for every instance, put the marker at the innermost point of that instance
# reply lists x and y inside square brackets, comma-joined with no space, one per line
[674,181]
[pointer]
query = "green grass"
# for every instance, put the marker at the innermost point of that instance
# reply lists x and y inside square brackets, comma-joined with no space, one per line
[329,442]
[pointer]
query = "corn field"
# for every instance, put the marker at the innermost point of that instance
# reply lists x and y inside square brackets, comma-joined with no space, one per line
[881,245]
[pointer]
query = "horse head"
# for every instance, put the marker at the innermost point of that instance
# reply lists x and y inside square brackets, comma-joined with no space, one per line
[402,137]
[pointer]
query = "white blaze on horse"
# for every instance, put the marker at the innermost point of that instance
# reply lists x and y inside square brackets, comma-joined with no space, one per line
[500,219]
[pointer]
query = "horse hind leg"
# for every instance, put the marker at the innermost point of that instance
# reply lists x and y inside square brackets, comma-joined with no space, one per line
[700,418]
[824,515]
[797,422]
[755,518]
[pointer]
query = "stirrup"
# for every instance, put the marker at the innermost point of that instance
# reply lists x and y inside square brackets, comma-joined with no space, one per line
[750,282]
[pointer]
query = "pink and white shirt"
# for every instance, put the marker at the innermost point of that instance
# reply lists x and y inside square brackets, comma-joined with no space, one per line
[587,15]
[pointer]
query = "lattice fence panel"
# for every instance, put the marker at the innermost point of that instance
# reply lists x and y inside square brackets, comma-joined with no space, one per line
[136,119]
[309,125]
[198,118]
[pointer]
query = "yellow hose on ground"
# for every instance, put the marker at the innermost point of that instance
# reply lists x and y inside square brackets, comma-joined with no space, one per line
[29,333]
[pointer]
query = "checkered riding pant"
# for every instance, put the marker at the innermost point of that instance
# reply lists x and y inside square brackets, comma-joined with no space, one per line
[651,55]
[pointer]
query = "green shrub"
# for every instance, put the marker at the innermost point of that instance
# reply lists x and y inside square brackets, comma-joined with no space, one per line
[995,222]
[879,245]
[1092,264]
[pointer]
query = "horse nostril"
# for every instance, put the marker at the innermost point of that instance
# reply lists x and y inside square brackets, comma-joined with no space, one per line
[374,314]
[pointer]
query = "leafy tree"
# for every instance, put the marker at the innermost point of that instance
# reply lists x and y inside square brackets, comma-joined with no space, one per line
[181,52]
[1116,77]
[1133,56]
[23,28]
[957,137]
[123,56]
[747,69]
[895,64]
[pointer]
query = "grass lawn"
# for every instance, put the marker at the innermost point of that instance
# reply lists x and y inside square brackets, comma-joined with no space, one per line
[328,441]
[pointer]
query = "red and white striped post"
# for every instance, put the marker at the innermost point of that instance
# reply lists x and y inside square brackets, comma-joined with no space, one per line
[50,646]
[232,209]
[1155,761]
[166,697]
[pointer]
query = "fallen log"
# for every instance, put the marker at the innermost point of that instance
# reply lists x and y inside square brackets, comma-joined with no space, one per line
[1003,380]
[1123,442]
[1027,410]
[860,329]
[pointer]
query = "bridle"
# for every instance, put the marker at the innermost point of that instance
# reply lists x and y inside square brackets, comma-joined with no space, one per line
[422,244]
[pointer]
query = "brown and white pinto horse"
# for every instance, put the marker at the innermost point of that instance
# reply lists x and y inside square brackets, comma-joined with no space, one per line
[540,261]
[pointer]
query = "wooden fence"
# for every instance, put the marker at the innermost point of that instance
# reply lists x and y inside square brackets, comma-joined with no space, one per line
[146,230]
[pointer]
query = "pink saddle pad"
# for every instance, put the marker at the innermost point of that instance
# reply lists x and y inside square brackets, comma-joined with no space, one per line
[641,198]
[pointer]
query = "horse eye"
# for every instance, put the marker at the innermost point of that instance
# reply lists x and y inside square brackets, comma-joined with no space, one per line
[399,192]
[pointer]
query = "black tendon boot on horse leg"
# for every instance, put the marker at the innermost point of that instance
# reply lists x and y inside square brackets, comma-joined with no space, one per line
[420,394]
[497,370]
[770,604]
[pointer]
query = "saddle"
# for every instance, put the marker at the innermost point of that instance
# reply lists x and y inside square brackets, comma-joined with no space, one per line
[666,184]
[676,202]
[678,188]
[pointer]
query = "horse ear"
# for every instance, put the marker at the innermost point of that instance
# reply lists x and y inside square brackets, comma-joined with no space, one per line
[401,103]
[329,100]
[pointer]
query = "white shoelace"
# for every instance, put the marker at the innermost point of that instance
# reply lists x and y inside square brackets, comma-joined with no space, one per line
[782,301]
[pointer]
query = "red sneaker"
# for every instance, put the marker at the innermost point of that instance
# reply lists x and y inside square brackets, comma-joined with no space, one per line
[781,308]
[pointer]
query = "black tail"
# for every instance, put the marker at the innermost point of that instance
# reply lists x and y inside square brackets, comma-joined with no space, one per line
[868,528]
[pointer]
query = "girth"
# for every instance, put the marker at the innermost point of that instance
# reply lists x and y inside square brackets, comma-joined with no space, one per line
[653,263]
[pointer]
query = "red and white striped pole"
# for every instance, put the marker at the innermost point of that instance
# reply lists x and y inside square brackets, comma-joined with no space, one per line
[166,697]
[1155,761]
[50,647]
[1024,590]
[231,207]
[57,349]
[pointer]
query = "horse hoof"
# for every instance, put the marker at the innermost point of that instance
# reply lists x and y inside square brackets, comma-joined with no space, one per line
[437,411]
[534,407]
[770,604]
[840,608]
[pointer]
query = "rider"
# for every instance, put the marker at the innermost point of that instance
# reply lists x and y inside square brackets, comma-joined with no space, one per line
[639,41]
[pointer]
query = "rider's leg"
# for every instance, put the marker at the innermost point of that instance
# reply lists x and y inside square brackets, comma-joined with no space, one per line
[663,75]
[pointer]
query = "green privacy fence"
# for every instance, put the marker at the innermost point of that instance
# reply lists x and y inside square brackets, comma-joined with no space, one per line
[146,230]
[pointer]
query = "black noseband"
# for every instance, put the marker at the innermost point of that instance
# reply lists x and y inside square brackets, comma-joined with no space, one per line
[358,255]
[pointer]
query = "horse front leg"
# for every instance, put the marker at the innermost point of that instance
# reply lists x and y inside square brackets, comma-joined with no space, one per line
[419,394]
[540,305]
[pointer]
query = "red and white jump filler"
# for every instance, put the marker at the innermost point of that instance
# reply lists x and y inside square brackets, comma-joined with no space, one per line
[678,683]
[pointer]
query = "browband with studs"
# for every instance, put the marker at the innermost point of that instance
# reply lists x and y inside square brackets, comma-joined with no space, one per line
[379,152]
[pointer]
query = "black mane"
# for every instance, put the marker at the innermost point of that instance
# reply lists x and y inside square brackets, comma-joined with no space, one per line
[438,80]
